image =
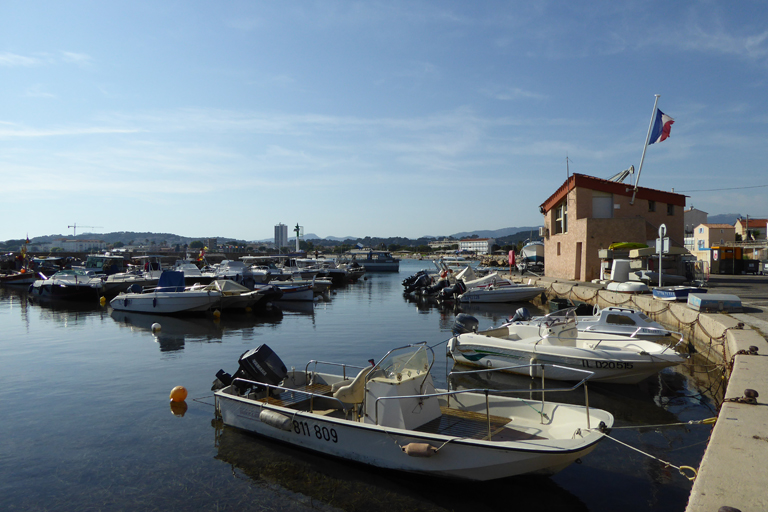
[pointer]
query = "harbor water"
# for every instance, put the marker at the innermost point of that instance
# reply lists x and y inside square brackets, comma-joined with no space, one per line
[87,424]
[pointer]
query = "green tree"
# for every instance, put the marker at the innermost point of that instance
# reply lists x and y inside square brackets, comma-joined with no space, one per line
[197,244]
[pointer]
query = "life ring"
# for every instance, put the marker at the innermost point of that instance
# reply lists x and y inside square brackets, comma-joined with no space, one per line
[443,273]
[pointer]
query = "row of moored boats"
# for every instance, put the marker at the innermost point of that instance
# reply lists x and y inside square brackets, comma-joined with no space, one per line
[149,288]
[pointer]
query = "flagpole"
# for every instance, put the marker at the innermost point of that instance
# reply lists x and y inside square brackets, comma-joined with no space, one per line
[647,139]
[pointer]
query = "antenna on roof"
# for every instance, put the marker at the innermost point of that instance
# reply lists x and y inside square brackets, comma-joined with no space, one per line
[567,169]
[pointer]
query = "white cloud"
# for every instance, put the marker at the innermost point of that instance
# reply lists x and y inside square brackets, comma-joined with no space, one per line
[36,91]
[80,59]
[12,60]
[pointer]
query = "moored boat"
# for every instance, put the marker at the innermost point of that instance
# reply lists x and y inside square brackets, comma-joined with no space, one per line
[169,297]
[71,284]
[374,261]
[611,320]
[675,293]
[611,358]
[505,293]
[391,416]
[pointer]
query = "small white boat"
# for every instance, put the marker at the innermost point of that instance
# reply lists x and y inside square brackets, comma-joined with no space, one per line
[531,257]
[627,287]
[675,293]
[169,297]
[231,294]
[391,416]
[612,358]
[296,292]
[72,284]
[612,320]
[504,293]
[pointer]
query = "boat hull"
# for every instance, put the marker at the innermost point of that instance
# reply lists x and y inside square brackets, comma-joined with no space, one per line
[165,303]
[502,294]
[676,293]
[608,364]
[382,447]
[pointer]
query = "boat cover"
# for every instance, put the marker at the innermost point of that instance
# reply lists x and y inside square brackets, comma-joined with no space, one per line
[171,281]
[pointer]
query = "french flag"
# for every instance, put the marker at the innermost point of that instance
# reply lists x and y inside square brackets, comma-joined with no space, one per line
[661,126]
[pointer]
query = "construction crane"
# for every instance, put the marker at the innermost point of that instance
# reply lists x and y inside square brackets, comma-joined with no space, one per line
[74,226]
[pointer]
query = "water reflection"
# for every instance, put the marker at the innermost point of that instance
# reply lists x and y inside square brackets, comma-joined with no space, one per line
[298,475]
[174,331]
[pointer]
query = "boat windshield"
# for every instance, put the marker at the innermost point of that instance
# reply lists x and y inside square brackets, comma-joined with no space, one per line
[562,315]
[410,360]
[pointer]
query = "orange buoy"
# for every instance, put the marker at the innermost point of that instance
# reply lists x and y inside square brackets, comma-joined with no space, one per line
[178,394]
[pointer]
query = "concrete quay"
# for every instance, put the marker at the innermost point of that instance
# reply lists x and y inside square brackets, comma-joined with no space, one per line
[732,471]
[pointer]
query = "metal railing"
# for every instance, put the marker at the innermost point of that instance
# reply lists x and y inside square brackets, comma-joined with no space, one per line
[583,382]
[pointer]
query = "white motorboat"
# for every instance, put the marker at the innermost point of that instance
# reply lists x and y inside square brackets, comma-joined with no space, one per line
[231,294]
[511,292]
[531,257]
[240,273]
[391,416]
[612,320]
[627,287]
[122,281]
[71,284]
[612,358]
[192,273]
[169,297]
[296,292]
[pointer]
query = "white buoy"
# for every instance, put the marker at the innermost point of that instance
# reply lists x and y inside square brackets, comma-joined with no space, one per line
[155,327]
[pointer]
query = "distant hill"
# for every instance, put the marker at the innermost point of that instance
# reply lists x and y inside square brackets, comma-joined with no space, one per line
[499,233]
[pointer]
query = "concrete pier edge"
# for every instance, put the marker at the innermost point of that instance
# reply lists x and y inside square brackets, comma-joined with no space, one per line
[732,471]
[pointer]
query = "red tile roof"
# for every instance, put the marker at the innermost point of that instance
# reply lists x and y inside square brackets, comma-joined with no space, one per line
[622,189]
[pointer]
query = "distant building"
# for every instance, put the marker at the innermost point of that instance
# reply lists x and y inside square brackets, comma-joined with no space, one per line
[78,245]
[477,245]
[439,244]
[586,214]
[707,236]
[281,235]
[692,218]
[751,229]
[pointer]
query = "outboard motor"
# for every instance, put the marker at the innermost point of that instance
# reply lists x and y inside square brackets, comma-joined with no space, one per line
[521,315]
[432,290]
[452,292]
[260,365]
[422,281]
[464,323]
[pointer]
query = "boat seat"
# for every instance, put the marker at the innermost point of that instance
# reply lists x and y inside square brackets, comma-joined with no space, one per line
[354,392]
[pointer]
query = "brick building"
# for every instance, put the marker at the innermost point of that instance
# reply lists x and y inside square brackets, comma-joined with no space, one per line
[587,214]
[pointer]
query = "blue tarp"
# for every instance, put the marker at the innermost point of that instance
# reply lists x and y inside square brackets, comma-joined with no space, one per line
[171,281]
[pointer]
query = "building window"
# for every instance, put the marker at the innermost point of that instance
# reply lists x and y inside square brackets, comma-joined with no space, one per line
[558,248]
[670,209]
[701,230]
[701,244]
[561,218]
[722,242]
[651,206]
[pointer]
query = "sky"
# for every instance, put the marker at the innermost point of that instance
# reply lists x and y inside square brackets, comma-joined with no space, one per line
[383,119]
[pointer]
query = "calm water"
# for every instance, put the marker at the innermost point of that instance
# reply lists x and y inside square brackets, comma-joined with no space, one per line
[86,423]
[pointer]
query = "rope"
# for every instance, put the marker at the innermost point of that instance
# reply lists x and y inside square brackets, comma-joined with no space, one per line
[680,469]
[708,421]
